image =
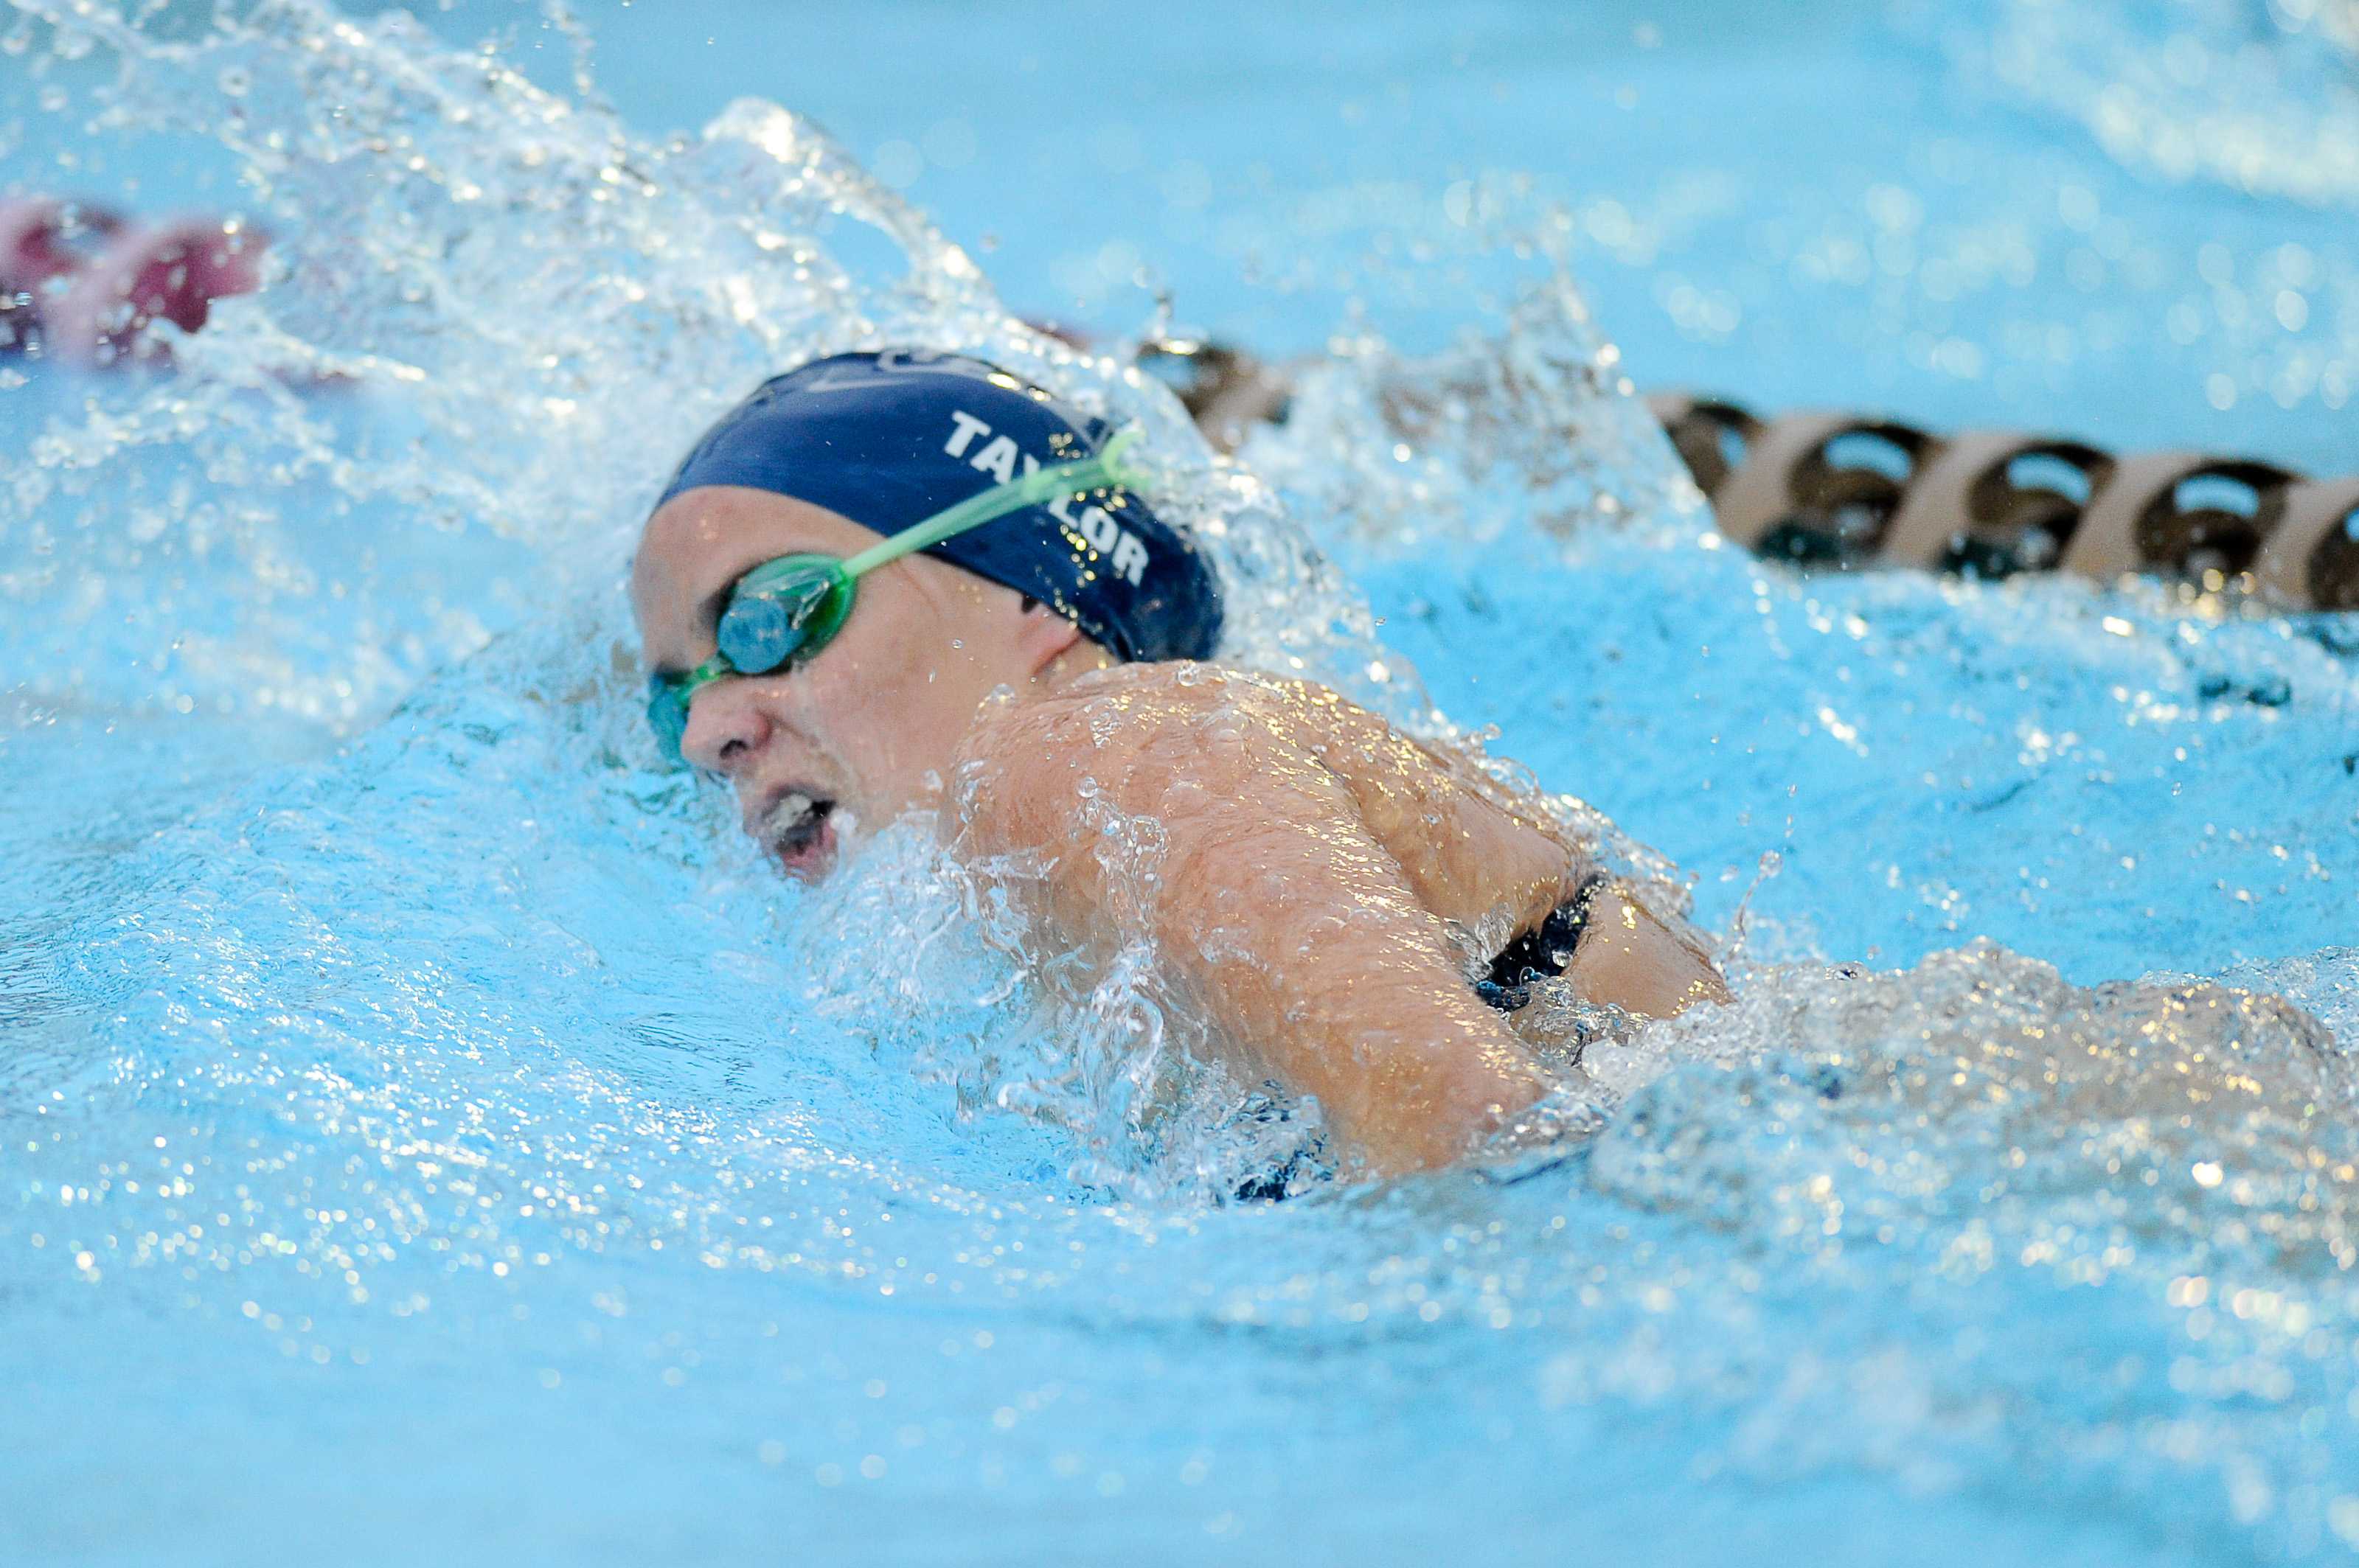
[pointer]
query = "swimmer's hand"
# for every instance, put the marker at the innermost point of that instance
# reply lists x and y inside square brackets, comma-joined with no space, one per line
[1629,958]
[1317,950]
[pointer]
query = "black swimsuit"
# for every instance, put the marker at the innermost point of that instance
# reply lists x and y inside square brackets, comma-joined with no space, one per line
[1543,953]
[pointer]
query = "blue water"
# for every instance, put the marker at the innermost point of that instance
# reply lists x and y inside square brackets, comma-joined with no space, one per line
[427,1135]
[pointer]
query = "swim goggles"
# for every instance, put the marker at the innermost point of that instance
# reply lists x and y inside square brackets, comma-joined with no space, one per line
[785,610]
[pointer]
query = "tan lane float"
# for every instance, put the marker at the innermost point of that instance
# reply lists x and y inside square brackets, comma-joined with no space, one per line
[1843,491]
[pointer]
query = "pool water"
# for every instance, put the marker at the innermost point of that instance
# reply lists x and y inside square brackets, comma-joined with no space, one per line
[427,1134]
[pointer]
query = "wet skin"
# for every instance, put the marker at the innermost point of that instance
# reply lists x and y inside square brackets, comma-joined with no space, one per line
[1319,865]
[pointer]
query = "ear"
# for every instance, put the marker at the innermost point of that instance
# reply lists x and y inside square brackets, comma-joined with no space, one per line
[1043,636]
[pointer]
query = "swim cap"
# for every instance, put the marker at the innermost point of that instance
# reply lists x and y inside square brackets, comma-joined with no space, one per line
[889,440]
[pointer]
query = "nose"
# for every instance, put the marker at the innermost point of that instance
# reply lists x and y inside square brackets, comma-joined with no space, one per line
[725,726]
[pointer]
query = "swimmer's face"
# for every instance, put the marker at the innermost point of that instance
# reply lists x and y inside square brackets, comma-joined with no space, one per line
[867,728]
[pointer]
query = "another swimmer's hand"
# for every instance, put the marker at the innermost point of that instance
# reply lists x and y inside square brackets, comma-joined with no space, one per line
[1276,905]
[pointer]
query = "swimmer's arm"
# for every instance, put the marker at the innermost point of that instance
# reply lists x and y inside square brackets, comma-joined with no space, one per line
[1281,912]
[1470,848]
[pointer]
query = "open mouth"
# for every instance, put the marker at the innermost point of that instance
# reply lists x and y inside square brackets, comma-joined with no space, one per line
[798,834]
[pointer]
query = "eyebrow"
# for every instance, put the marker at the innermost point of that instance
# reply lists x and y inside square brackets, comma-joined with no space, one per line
[707,614]
[709,609]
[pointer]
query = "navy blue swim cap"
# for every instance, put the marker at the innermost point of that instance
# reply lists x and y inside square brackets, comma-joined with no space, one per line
[889,440]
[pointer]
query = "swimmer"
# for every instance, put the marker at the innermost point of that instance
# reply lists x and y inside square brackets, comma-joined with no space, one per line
[904,581]
[84,285]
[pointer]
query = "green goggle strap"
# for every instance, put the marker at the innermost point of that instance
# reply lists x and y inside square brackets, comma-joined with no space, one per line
[1107,469]
[684,687]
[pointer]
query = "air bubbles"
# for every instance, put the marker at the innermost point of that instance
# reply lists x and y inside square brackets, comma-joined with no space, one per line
[948,144]
[898,164]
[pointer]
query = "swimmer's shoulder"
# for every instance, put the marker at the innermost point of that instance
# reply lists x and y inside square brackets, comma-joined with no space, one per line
[1151,706]
[1131,732]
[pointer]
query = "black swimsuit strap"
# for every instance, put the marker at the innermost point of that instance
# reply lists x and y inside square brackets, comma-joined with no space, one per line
[1543,951]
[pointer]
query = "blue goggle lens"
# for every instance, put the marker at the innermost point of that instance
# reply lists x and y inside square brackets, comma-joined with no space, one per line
[776,615]
[758,636]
